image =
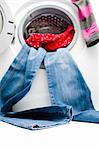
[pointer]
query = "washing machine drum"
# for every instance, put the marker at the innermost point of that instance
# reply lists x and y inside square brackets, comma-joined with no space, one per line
[45,18]
[6,26]
[61,32]
[38,20]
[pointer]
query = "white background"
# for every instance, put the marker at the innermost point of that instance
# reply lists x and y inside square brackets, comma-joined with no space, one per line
[75,136]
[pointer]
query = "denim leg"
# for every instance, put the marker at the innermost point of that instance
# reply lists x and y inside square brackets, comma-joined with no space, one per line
[39,118]
[36,118]
[91,116]
[67,90]
[18,79]
[68,87]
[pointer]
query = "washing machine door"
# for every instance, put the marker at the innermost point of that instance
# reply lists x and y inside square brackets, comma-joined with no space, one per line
[6,26]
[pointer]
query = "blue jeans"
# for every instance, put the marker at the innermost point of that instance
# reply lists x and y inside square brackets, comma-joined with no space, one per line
[70,96]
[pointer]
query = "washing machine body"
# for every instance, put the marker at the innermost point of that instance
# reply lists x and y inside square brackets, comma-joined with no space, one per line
[86,58]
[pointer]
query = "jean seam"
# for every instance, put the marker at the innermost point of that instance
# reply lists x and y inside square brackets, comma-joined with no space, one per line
[50,89]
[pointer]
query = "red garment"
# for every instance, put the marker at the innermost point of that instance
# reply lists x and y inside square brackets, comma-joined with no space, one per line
[51,42]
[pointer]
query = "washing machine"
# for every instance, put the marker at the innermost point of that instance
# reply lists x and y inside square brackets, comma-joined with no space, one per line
[14,20]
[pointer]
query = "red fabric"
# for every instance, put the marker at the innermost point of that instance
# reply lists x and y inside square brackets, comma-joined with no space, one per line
[51,42]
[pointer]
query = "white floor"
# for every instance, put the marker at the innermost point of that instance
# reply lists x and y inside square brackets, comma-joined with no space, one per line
[74,136]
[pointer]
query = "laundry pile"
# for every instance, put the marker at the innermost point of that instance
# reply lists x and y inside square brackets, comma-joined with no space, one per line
[69,94]
[51,42]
